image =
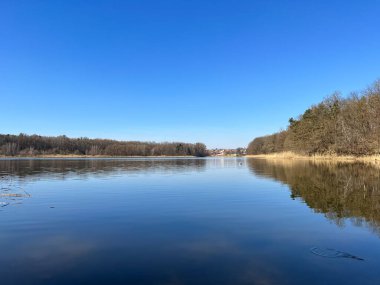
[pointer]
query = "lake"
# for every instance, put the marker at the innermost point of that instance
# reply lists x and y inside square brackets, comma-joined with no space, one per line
[188,221]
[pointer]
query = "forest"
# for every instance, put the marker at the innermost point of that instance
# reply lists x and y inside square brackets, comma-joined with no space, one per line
[336,126]
[34,145]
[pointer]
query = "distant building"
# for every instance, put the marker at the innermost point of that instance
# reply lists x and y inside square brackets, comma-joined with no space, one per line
[228,152]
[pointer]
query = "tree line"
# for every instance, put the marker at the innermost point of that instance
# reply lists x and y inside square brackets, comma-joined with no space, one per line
[337,125]
[31,145]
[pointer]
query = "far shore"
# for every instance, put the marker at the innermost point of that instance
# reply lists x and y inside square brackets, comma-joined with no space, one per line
[319,157]
[90,156]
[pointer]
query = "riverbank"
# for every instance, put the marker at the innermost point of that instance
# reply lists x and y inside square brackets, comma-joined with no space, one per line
[58,156]
[343,158]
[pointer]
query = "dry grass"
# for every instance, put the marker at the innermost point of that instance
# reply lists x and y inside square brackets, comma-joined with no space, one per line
[318,157]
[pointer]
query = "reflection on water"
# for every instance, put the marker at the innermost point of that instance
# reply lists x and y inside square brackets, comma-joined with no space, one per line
[187,221]
[14,173]
[339,190]
[60,168]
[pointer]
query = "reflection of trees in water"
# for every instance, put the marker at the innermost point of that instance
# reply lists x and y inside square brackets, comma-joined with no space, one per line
[15,173]
[339,190]
[61,168]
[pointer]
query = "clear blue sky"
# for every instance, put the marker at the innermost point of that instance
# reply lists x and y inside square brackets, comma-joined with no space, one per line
[220,72]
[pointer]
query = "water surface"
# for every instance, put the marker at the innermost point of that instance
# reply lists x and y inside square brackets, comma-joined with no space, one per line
[187,221]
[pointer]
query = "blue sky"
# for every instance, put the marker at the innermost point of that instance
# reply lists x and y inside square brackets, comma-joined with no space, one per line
[219,72]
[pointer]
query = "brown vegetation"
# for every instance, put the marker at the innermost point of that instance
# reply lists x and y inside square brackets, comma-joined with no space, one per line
[25,145]
[340,126]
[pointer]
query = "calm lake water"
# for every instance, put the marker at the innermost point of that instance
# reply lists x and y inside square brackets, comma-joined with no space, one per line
[188,221]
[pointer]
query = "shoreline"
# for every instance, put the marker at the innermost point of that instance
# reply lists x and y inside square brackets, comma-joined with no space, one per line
[58,156]
[318,157]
